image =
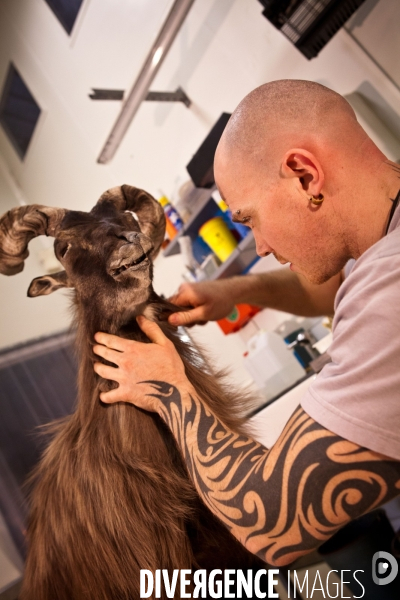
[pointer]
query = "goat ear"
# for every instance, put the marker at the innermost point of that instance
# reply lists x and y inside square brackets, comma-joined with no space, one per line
[42,286]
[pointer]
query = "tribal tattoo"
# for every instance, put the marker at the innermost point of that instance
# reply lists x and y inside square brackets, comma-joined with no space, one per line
[284,502]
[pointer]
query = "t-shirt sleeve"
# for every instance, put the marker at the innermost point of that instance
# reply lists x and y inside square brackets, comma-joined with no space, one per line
[357,395]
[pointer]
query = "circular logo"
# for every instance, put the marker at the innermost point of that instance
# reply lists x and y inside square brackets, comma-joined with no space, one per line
[384,568]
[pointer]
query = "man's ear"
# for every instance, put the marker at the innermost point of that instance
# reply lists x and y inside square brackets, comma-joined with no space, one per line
[42,286]
[304,165]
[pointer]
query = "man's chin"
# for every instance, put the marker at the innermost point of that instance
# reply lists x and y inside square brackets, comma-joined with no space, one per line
[317,278]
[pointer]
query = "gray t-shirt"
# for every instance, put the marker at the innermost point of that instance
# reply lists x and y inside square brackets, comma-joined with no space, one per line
[357,395]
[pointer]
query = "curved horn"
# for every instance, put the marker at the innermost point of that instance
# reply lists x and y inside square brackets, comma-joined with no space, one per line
[149,212]
[18,226]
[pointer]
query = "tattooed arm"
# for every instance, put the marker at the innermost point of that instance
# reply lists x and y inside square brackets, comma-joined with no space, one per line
[284,502]
[280,503]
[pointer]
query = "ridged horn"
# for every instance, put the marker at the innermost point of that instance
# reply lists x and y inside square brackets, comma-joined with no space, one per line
[149,212]
[18,226]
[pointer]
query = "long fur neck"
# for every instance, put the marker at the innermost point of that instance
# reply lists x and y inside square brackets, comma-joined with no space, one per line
[112,495]
[227,405]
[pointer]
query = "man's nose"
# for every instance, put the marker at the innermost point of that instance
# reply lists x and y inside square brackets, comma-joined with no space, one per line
[262,247]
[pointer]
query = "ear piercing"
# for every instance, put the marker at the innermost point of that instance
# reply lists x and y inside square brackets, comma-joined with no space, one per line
[317,201]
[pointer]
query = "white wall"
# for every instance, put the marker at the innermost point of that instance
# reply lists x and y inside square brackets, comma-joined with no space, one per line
[224,49]
[23,318]
[376,27]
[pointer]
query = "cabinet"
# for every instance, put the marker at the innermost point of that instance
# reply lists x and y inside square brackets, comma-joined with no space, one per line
[205,208]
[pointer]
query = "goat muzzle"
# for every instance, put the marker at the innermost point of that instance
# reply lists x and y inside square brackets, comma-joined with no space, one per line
[132,255]
[18,226]
[149,212]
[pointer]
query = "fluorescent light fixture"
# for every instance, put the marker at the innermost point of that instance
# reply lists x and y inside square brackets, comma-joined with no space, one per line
[157,56]
[138,93]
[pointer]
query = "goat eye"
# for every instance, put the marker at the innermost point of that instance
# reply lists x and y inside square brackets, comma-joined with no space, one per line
[64,250]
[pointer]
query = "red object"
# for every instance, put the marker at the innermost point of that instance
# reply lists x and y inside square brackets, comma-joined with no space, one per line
[239,317]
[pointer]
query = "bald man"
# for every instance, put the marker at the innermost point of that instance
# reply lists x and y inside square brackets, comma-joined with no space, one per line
[295,166]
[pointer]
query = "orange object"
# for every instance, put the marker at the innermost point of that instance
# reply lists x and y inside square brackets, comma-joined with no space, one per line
[238,318]
[170,228]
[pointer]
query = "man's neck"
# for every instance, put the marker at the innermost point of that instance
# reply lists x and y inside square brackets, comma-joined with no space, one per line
[393,171]
[377,202]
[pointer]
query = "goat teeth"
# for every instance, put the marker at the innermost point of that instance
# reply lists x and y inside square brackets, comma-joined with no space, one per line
[139,260]
[127,266]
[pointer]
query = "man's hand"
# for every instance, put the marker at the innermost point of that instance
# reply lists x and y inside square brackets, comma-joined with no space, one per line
[138,363]
[206,301]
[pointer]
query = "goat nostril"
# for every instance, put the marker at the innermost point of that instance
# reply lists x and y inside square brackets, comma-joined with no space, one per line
[129,236]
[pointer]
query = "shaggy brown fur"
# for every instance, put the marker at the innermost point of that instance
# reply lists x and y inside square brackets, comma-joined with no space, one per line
[111,493]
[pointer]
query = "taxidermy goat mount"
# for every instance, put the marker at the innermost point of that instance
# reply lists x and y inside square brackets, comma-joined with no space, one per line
[111,494]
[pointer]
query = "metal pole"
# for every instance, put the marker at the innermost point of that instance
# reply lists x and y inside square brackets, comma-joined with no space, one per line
[138,93]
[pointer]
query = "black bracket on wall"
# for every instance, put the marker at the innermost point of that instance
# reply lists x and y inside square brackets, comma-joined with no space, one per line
[178,96]
[309,24]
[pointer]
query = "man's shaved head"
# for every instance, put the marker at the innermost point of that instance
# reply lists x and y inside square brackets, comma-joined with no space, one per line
[284,111]
[287,143]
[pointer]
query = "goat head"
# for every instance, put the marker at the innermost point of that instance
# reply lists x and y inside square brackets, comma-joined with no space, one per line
[108,250]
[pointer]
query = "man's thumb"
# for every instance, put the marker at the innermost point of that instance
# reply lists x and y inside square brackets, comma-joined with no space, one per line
[187,317]
[152,330]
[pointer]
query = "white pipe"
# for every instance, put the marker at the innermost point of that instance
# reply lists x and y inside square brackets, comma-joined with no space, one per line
[138,93]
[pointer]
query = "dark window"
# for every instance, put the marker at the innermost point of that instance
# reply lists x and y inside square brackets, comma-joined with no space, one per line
[19,112]
[66,12]
[37,386]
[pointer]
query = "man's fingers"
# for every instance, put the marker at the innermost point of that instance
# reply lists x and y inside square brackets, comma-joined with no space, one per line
[152,330]
[174,299]
[106,371]
[188,317]
[111,341]
[181,301]
[108,354]
[111,396]
[183,296]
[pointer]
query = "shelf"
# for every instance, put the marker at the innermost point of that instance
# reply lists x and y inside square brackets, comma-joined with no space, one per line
[205,208]
[240,259]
